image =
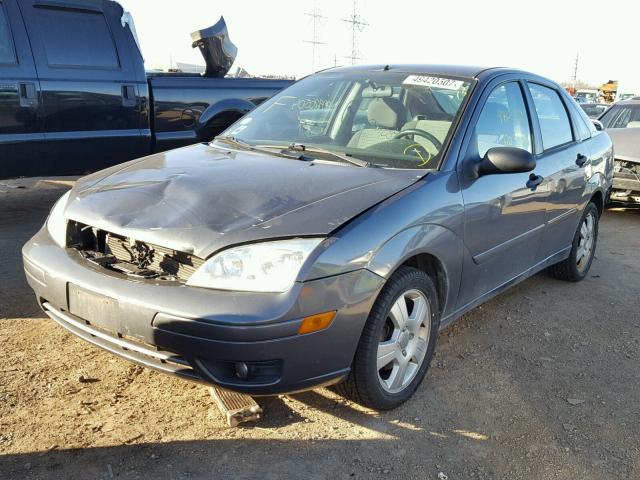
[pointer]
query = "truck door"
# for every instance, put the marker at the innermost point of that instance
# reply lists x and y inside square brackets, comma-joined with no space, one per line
[91,89]
[504,215]
[20,120]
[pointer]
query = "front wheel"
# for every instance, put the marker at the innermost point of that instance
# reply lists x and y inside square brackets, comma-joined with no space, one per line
[583,248]
[397,342]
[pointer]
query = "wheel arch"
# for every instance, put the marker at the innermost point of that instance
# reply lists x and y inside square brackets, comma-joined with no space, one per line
[220,115]
[431,248]
[599,199]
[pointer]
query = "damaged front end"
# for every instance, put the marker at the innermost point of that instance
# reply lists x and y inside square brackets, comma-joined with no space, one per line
[131,257]
[626,182]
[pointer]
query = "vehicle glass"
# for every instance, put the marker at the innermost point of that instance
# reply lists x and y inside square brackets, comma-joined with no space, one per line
[7,51]
[622,116]
[76,38]
[594,111]
[390,119]
[552,116]
[581,121]
[503,122]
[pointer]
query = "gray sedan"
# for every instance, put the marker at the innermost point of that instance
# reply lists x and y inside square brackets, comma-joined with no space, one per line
[327,236]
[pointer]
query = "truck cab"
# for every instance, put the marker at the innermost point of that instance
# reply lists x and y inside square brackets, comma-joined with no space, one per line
[75,97]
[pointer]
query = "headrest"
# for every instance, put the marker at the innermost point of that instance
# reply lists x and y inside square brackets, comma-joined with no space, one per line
[378,92]
[493,120]
[384,112]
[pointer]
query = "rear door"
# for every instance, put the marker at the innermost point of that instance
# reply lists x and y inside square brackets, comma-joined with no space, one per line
[562,164]
[20,120]
[90,96]
[504,213]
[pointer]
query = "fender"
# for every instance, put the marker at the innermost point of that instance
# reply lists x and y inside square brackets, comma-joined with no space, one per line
[220,115]
[431,239]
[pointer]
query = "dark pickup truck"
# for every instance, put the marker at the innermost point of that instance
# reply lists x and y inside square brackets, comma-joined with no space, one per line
[75,97]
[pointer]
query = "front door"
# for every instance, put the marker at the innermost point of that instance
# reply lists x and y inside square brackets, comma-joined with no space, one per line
[504,213]
[20,108]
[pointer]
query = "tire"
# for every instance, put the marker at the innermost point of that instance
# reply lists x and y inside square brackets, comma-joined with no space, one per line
[383,336]
[576,266]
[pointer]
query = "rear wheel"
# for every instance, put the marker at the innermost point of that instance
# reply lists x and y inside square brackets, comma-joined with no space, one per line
[397,342]
[577,265]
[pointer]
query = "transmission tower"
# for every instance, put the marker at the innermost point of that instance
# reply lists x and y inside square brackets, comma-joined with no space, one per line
[357,26]
[316,18]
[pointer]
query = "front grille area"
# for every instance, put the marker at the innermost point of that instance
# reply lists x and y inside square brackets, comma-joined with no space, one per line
[626,170]
[130,256]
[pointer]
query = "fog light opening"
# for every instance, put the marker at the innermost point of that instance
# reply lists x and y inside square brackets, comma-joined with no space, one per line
[242,370]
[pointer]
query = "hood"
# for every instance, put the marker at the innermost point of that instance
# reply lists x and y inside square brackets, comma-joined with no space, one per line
[200,199]
[626,143]
[216,47]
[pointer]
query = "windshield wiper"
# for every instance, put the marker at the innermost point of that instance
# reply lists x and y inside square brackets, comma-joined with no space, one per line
[299,147]
[256,148]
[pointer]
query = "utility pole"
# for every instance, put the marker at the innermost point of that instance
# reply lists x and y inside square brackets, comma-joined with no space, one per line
[357,25]
[575,71]
[316,17]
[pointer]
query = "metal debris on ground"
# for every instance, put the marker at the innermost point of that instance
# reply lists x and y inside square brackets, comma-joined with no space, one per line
[236,407]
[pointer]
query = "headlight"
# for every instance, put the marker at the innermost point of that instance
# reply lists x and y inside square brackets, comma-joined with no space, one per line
[57,223]
[260,267]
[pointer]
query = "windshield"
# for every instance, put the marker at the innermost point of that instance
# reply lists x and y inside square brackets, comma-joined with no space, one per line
[622,116]
[389,119]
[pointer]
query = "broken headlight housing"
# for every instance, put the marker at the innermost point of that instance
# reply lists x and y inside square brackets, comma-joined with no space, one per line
[259,267]
[57,223]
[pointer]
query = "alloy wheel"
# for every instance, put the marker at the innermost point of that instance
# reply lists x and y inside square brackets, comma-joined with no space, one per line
[404,341]
[585,244]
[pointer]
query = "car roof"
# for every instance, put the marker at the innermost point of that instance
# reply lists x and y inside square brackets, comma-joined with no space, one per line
[631,101]
[471,71]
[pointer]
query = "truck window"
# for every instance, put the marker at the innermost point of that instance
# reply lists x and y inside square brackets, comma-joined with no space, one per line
[7,51]
[74,38]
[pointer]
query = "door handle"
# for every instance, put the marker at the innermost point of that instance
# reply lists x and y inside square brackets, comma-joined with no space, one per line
[129,96]
[28,95]
[534,181]
[581,160]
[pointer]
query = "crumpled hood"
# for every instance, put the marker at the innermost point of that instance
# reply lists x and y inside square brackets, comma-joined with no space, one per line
[626,143]
[200,199]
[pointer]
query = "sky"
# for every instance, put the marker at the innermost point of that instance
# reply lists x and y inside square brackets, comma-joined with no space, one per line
[542,36]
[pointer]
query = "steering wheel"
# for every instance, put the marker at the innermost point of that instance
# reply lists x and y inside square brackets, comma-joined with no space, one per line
[421,133]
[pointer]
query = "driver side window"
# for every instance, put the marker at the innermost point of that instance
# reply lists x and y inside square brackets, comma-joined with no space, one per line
[503,122]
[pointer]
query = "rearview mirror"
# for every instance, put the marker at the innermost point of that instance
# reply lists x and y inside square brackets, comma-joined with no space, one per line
[505,160]
[598,124]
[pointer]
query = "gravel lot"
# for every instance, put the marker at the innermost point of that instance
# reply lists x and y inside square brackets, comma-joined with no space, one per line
[543,382]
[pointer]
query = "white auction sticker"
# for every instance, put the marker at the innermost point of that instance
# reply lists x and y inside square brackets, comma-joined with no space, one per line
[439,82]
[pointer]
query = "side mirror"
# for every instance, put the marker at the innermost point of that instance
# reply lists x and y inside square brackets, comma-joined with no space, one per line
[505,160]
[598,124]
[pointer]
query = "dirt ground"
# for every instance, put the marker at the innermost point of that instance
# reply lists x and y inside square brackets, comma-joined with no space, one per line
[543,382]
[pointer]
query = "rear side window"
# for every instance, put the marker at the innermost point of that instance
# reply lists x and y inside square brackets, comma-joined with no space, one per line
[554,121]
[7,52]
[581,121]
[74,38]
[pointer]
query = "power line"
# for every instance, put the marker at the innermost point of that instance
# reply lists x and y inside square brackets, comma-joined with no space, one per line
[357,26]
[316,17]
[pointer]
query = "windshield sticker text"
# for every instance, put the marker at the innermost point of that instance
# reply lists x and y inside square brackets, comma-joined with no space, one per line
[439,82]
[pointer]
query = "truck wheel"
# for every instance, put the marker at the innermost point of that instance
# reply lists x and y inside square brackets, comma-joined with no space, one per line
[577,265]
[397,342]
